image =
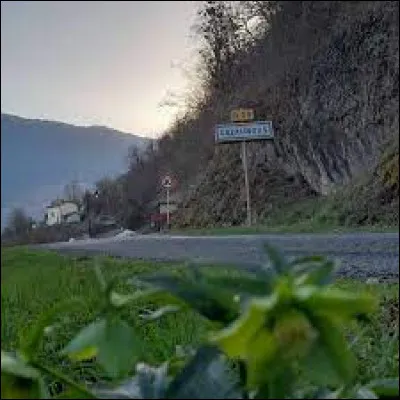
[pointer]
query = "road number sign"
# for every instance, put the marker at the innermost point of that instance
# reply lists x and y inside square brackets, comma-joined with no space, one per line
[242,115]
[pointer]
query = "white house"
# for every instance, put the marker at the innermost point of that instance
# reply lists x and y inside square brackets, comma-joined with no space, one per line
[65,212]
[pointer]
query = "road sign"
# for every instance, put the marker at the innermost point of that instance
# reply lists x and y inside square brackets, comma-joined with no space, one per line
[244,132]
[166,182]
[239,132]
[242,115]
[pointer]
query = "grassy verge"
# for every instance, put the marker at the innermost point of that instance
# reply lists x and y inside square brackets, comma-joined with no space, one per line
[34,281]
[304,227]
[337,213]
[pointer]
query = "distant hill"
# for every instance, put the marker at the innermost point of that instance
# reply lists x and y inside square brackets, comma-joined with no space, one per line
[39,157]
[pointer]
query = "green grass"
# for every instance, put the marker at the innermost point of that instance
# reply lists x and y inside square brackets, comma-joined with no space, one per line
[337,213]
[302,227]
[363,205]
[34,281]
[376,343]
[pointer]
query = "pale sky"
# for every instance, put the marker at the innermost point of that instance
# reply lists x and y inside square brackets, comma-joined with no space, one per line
[95,62]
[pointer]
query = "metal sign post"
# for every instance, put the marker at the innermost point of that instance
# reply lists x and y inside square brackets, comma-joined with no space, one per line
[246,182]
[167,206]
[243,129]
[167,184]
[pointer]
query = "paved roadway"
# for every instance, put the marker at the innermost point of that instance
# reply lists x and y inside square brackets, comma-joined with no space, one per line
[359,255]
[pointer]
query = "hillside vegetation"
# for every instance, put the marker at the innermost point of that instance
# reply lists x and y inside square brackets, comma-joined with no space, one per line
[326,73]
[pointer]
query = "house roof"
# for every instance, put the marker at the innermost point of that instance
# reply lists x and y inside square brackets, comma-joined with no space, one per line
[62,203]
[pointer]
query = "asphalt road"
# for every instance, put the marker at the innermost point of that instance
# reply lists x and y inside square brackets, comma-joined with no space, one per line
[359,255]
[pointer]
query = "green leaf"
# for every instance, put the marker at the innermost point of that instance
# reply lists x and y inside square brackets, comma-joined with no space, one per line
[335,345]
[44,391]
[304,292]
[294,334]
[277,259]
[318,366]
[85,345]
[320,274]
[340,303]
[385,387]
[278,385]
[242,285]
[216,305]
[19,380]
[29,345]
[112,341]
[119,348]
[261,352]
[235,339]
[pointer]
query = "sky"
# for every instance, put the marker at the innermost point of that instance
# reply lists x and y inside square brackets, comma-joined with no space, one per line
[109,63]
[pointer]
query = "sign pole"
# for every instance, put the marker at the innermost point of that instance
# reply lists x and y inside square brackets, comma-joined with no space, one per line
[241,129]
[246,182]
[167,184]
[167,207]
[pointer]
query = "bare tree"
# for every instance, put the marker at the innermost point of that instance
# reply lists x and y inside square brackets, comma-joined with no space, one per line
[19,223]
[73,192]
[219,32]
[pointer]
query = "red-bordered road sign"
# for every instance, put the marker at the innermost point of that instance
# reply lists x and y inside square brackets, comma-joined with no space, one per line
[166,182]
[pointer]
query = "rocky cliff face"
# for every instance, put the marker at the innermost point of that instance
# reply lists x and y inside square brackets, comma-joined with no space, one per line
[349,107]
[334,107]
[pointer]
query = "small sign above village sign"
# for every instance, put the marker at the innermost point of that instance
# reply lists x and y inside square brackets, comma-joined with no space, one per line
[242,115]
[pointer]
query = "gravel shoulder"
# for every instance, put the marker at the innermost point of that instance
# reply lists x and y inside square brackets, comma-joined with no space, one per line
[359,255]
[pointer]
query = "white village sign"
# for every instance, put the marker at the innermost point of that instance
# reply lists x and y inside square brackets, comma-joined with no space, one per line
[238,132]
[243,130]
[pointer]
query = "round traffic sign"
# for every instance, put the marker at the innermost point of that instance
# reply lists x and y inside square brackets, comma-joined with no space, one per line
[167,182]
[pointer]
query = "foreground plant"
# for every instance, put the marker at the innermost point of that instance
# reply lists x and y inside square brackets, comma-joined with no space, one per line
[267,341]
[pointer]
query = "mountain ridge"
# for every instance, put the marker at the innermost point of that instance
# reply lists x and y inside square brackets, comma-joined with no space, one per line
[19,118]
[53,154]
